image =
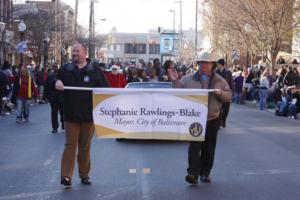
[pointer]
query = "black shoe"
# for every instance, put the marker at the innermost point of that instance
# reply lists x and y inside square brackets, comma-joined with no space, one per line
[62,127]
[86,181]
[205,179]
[54,131]
[19,120]
[66,182]
[192,179]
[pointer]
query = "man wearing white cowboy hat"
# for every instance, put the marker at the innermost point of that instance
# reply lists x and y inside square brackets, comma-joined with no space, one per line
[201,154]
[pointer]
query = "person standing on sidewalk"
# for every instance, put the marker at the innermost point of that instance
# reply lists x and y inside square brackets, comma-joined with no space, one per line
[201,154]
[78,118]
[55,99]
[24,90]
[3,85]
[238,88]
[227,75]
[263,89]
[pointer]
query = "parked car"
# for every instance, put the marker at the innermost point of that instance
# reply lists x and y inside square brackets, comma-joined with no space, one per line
[149,85]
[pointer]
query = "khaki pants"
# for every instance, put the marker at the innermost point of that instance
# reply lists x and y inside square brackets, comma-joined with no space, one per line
[77,134]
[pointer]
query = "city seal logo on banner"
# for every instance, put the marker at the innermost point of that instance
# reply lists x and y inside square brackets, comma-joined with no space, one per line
[196,129]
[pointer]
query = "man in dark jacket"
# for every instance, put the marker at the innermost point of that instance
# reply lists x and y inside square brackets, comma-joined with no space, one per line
[78,110]
[3,84]
[55,98]
[141,76]
[291,78]
[227,75]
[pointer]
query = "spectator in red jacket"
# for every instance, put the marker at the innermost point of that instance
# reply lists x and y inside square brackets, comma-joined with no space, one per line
[116,79]
[24,90]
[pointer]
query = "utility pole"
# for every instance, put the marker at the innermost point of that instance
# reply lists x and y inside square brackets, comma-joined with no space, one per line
[91,32]
[94,35]
[11,13]
[76,16]
[196,30]
[181,32]
[174,30]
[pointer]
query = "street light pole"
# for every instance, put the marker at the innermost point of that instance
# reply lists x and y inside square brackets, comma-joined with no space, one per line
[22,29]
[248,29]
[174,14]
[2,31]
[181,33]
[107,49]
[46,48]
[75,20]
[103,20]
[91,31]
[196,30]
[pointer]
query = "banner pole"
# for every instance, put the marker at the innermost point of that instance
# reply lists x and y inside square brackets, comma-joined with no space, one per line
[124,89]
[78,88]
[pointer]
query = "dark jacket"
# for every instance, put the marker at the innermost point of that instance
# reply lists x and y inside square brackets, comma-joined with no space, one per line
[40,77]
[227,75]
[291,78]
[238,84]
[280,82]
[51,94]
[3,83]
[78,104]
[136,79]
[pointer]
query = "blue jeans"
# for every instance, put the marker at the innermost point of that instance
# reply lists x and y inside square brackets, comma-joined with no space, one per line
[237,97]
[263,95]
[23,106]
[281,106]
[253,95]
[292,111]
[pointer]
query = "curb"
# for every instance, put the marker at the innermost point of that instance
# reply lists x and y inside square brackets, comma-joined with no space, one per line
[255,106]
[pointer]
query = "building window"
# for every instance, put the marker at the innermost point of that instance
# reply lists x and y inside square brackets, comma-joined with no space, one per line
[130,48]
[141,48]
[167,44]
[111,47]
[118,47]
[154,49]
[135,48]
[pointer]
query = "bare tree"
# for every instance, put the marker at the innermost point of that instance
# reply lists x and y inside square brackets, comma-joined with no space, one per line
[263,26]
[41,23]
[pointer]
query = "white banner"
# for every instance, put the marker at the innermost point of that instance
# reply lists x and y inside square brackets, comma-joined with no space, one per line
[165,114]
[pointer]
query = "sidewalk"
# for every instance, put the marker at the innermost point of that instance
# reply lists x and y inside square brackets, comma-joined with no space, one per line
[255,106]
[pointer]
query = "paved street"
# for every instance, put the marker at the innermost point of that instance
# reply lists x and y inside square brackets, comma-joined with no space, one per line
[258,157]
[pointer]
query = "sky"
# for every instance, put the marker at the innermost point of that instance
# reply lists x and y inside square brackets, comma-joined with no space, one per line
[136,16]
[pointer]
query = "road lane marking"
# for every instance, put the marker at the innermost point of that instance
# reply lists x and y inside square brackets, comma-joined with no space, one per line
[276,171]
[146,170]
[48,162]
[267,172]
[132,171]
